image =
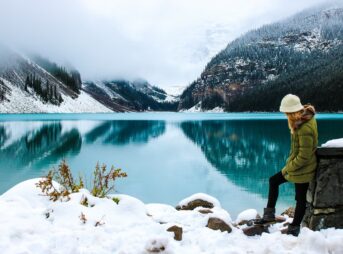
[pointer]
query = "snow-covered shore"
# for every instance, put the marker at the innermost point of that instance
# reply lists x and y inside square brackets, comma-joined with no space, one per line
[30,223]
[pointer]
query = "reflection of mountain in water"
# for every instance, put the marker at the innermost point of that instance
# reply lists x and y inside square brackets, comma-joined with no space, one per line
[247,152]
[3,136]
[46,144]
[124,132]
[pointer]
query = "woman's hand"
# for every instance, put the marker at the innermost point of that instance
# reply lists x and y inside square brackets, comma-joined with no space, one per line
[283,171]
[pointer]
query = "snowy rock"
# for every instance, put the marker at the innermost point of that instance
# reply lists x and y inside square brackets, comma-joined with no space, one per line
[245,216]
[218,224]
[198,200]
[194,204]
[156,245]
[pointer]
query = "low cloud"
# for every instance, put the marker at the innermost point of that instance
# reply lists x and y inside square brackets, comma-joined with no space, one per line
[167,42]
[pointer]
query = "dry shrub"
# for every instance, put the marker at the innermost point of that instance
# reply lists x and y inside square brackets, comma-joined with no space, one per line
[103,183]
[65,178]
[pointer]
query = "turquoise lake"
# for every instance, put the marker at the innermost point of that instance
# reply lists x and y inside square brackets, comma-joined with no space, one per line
[167,156]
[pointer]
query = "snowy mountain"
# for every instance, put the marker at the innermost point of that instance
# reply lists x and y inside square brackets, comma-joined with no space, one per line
[124,95]
[36,85]
[295,55]
[26,87]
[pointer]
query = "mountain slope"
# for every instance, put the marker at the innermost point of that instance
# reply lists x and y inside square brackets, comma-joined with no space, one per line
[35,84]
[302,55]
[26,87]
[123,95]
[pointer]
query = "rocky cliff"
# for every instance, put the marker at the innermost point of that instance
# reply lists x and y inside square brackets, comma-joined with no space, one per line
[325,195]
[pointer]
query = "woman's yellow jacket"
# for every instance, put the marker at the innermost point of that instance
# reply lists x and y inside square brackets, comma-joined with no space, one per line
[302,161]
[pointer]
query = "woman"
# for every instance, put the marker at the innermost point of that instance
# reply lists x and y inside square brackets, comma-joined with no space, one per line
[301,163]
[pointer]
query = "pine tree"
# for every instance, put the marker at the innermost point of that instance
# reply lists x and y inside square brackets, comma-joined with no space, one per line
[2,91]
[55,91]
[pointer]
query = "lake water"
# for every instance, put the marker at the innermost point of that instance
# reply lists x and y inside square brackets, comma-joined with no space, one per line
[168,156]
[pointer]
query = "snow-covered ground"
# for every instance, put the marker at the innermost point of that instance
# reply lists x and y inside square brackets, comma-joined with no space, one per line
[20,102]
[30,223]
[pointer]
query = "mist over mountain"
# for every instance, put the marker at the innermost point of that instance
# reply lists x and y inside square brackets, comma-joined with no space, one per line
[301,54]
[165,42]
[32,84]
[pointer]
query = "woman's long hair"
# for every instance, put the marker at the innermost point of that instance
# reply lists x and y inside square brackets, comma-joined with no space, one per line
[293,119]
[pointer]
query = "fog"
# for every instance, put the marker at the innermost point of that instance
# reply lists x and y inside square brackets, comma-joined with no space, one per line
[167,42]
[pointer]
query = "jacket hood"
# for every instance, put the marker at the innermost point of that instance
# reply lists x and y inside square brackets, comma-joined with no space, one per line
[308,113]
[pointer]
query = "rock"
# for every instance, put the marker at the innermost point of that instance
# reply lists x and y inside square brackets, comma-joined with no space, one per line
[156,249]
[279,219]
[244,222]
[194,204]
[258,229]
[289,212]
[156,246]
[329,185]
[255,230]
[218,224]
[248,222]
[177,232]
[325,194]
[332,220]
[205,211]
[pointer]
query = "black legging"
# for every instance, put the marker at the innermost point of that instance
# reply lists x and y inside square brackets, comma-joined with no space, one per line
[300,196]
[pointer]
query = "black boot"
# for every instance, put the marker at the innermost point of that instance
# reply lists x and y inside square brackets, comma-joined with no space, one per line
[293,230]
[268,216]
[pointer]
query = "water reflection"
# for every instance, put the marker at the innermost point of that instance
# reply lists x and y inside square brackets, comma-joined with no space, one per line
[28,149]
[247,152]
[47,143]
[166,154]
[3,136]
[36,147]
[124,132]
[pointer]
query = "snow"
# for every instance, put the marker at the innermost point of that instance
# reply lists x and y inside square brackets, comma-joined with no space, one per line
[201,196]
[111,93]
[174,90]
[197,108]
[246,215]
[194,109]
[20,102]
[30,223]
[334,143]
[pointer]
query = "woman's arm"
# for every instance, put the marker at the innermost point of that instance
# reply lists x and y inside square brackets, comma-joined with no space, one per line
[306,140]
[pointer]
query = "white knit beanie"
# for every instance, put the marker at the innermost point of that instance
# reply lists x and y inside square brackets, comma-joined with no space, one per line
[290,103]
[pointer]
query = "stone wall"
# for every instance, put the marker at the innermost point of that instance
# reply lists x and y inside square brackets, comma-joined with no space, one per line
[325,195]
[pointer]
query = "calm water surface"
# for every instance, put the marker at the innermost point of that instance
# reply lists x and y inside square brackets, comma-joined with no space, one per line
[167,156]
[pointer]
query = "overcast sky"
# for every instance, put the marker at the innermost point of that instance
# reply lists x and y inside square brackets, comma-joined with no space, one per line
[167,42]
